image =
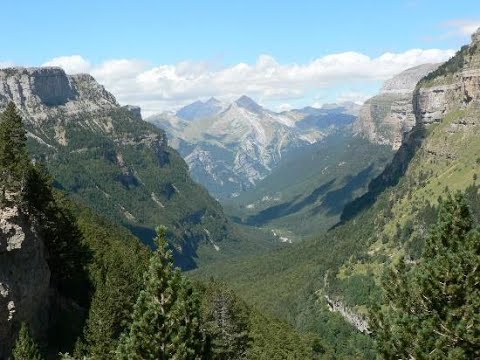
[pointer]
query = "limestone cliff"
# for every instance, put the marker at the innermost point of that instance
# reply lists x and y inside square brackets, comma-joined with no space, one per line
[385,118]
[453,86]
[24,278]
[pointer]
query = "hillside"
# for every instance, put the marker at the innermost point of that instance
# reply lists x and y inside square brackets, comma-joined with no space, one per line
[230,147]
[342,268]
[120,165]
[311,186]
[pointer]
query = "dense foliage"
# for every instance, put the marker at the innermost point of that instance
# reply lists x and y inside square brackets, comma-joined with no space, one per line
[431,309]
[166,316]
[25,347]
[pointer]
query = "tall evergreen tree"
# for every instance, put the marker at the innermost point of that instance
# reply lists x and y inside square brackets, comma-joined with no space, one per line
[226,322]
[432,310]
[166,316]
[14,159]
[25,348]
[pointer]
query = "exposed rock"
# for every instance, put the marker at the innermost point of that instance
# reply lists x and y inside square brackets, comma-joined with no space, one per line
[385,118]
[24,278]
[449,90]
[358,321]
[476,37]
[230,147]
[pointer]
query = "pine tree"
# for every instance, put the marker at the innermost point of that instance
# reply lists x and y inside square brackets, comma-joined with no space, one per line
[14,159]
[25,348]
[166,316]
[432,309]
[227,323]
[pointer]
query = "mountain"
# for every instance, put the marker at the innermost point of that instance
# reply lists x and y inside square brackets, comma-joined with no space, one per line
[240,143]
[385,118]
[105,155]
[338,273]
[200,110]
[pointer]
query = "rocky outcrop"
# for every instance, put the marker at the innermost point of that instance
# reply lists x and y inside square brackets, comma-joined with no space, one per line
[385,118]
[454,85]
[24,278]
[358,321]
[134,110]
[46,93]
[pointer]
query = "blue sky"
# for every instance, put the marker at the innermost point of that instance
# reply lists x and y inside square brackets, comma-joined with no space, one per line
[155,41]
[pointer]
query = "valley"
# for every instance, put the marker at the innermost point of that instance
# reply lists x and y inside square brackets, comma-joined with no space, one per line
[326,208]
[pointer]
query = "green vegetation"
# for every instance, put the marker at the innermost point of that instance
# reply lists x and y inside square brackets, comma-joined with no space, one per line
[122,167]
[100,277]
[310,187]
[166,316]
[431,309]
[25,347]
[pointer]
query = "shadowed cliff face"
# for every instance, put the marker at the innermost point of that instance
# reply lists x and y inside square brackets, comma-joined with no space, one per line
[24,278]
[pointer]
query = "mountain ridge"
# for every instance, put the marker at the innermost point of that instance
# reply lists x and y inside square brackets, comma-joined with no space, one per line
[234,149]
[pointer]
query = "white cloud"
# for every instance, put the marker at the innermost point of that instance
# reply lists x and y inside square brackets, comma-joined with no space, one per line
[461,27]
[161,87]
[73,64]
[354,96]
[284,107]
[6,64]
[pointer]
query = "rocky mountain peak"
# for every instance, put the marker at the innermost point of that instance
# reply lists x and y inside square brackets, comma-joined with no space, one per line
[200,110]
[50,85]
[49,91]
[385,118]
[247,103]
[213,101]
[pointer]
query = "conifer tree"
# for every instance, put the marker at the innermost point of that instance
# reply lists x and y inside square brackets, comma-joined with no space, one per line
[25,348]
[227,323]
[432,309]
[166,316]
[14,159]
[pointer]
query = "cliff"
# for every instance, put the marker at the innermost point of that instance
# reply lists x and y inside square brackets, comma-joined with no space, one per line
[24,278]
[385,118]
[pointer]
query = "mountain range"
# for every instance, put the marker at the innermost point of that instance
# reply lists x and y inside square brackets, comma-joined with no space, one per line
[229,147]
[106,156]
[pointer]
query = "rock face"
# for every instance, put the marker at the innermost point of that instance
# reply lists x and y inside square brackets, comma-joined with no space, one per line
[455,85]
[385,118]
[42,93]
[24,278]
[230,147]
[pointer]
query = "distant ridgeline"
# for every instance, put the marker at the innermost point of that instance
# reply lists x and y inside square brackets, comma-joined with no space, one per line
[121,166]
[231,147]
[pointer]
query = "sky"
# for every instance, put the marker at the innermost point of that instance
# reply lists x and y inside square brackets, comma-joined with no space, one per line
[285,54]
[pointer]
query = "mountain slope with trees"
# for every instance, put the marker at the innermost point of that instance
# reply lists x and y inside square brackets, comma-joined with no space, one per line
[108,157]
